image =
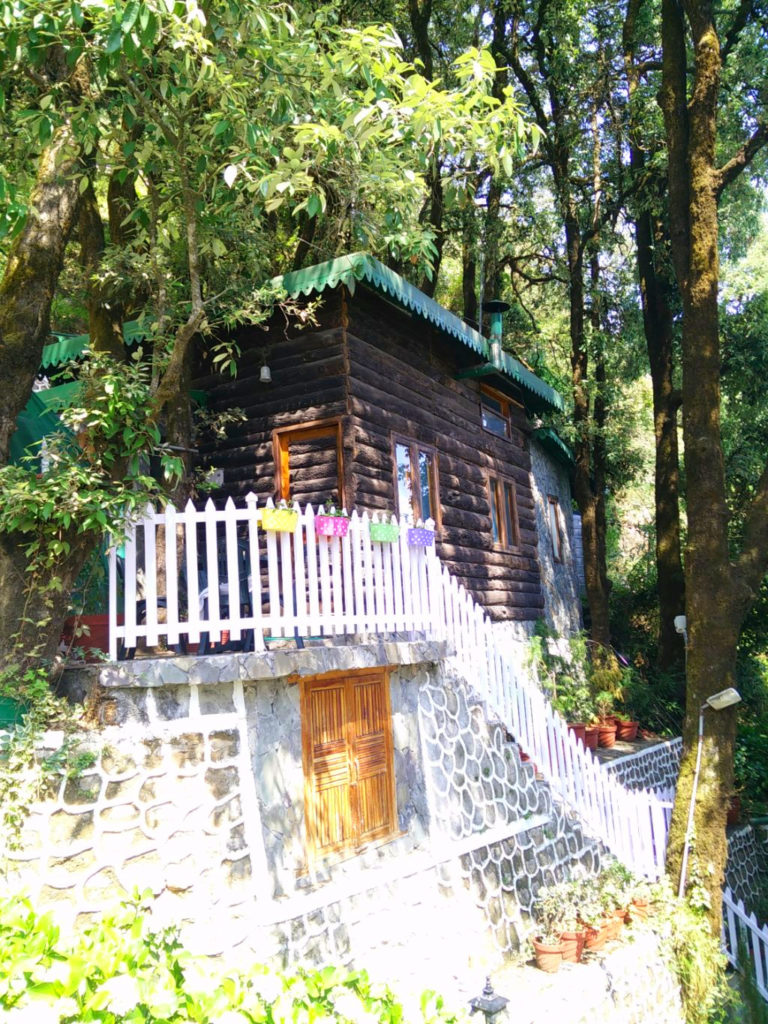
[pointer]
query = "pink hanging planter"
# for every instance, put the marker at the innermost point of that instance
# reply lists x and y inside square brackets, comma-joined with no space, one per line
[420,536]
[331,526]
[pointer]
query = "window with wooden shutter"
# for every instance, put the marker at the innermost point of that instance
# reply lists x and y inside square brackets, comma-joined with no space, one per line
[348,765]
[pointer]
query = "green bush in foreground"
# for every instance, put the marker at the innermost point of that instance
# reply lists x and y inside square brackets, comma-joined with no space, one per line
[119,971]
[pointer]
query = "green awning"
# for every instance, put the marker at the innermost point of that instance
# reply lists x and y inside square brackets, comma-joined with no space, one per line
[72,346]
[359,266]
[35,421]
[552,443]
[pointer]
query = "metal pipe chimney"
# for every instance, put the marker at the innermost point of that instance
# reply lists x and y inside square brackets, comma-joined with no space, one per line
[495,308]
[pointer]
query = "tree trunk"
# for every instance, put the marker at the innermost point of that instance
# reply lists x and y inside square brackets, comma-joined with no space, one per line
[650,239]
[31,275]
[713,608]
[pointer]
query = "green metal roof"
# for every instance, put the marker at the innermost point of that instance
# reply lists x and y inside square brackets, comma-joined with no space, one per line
[72,346]
[359,266]
[551,442]
[38,419]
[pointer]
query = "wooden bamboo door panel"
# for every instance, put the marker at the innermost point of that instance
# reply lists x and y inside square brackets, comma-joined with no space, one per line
[330,801]
[372,759]
[348,764]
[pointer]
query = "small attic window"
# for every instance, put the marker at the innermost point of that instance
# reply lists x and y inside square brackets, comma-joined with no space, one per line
[494,412]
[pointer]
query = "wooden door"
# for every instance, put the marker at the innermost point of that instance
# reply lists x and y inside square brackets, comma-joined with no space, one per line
[348,764]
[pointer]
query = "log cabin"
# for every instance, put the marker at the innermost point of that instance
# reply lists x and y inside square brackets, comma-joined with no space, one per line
[386,401]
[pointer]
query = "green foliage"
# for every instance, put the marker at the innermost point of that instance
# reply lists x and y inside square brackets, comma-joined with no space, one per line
[694,954]
[118,970]
[24,771]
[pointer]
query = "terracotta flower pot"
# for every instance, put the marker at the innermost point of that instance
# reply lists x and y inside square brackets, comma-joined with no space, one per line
[548,957]
[597,937]
[626,730]
[606,734]
[639,910]
[615,923]
[573,946]
[578,729]
[591,737]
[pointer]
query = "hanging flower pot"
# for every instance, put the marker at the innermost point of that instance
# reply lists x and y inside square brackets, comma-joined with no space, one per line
[280,520]
[331,526]
[384,533]
[420,536]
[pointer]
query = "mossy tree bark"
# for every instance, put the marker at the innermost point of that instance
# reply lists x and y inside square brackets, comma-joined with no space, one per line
[651,242]
[718,591]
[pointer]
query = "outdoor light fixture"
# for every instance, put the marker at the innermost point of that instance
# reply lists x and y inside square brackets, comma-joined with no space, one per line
[495,308]
[265,374]
[489,1004]
[717,702]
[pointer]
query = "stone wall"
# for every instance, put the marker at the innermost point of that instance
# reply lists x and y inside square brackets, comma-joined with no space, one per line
[746,873]
[654,767]
[559,580]
[197,794]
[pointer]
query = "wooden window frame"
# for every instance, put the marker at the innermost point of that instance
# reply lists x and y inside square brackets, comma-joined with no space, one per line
[415,447]
[497,485]
[390,829]
[506,404]
[554,519]
[281,442]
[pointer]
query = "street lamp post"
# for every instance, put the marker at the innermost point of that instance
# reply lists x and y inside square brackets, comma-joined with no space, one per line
[717,702]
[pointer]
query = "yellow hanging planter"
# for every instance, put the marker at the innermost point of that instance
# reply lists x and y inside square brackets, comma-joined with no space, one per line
[282,520]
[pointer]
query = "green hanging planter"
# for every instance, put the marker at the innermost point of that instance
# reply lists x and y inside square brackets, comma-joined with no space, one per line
[384,533]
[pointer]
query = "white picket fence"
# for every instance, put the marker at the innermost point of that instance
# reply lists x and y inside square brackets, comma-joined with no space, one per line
[301,584]
[288,584]
[743,934]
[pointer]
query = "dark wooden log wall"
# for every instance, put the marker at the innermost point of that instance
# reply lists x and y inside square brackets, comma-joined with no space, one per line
[384,372]
[308,383]
[401,381]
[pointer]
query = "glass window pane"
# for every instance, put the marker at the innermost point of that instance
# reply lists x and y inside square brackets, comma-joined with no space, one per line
[495,423]
[510,514]
[425,482]
[554,527]
[493,403]
[404,483]
[494,511]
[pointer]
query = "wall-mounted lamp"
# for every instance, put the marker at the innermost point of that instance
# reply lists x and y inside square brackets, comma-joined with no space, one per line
[265,374]
[717,702]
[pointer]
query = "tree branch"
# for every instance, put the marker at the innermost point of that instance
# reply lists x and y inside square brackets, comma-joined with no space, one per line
[739,161]
[752,563]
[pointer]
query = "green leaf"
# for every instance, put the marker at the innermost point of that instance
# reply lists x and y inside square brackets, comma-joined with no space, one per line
[130,15]
[115,40]
[45,130]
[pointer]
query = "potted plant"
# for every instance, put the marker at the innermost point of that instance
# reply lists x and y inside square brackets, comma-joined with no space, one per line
[591,736]
[640,901]
[281,519]
[332,523]
[385,531]
[606,724]
[556,909]
[87,629]
[626,728]
[592,914]
[420,536]
[574,703]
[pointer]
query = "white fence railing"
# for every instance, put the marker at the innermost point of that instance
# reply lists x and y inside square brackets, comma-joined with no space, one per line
[288,584]
[632,823]
[743,935]
[302,584]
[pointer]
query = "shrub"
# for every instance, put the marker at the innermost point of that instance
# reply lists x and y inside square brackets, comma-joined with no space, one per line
[119,971]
